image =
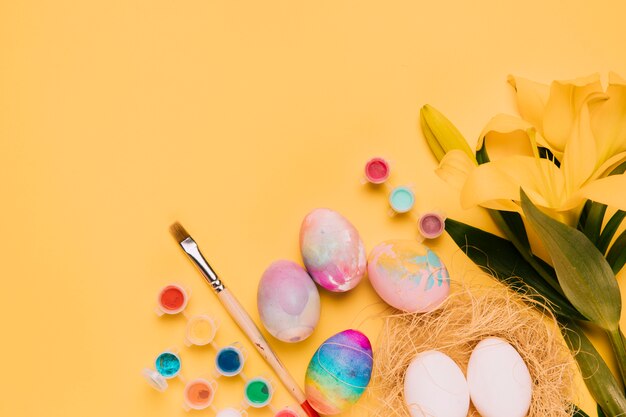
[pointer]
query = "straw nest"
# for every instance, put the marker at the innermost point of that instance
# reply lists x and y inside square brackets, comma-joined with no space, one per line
[455,328]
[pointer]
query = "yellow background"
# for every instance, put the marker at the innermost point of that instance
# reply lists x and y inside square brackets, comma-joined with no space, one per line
[235,117]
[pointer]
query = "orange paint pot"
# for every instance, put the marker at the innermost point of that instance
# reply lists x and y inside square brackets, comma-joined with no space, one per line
[199,393]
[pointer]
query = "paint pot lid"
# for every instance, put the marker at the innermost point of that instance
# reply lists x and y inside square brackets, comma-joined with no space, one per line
[401,199]
[172,299]
[377,170]
[431,225]
[155,379]
[201,330]
[199,393]
[258,392]
[168,364]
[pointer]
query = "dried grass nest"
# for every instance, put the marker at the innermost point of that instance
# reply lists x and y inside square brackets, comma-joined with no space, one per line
[463,320]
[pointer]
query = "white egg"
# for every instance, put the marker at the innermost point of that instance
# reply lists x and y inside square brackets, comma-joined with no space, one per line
[498,380]
[434,386]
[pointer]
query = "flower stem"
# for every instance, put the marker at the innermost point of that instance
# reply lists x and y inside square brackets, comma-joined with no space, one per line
[619,349]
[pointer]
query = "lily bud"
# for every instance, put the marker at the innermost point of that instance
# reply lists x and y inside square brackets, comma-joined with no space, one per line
[441,135]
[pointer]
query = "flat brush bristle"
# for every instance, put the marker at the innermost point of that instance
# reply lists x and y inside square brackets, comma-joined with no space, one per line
[179,232]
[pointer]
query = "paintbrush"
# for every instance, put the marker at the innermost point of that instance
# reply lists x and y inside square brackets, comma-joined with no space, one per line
[240,316]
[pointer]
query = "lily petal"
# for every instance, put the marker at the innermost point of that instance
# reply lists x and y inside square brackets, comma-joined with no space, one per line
[502,179]
[531,99]
[563,108]
[579,158]
[506,135]
[455,167]
[604,190]
[609,121]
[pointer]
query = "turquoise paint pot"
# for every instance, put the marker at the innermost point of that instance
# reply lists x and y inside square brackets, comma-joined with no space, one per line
[168,364]
[401,199]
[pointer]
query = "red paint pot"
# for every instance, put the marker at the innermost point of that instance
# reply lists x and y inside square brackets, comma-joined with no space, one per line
[172,299]
[286,413]
[377,170]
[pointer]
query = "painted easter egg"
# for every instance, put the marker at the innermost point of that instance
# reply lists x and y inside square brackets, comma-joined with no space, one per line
[434,386]
[339,372]
[288,301]
[498,379]
[408,276]
[332,250]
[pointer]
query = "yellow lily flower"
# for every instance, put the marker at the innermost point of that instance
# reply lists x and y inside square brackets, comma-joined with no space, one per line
[582,125]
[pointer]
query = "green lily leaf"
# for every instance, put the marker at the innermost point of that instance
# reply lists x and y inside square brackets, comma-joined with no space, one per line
[580,413]
[585,276]
[593,225]
[609,231]
[617,254]
[602,385]
[600,412]
[498,257]
[592,217]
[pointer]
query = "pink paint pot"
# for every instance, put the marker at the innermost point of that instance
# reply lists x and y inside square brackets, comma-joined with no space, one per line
[172,299]
[199,394]
[377,170]
[431,225]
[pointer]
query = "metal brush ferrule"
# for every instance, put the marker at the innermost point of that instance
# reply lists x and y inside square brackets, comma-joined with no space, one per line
[191,248]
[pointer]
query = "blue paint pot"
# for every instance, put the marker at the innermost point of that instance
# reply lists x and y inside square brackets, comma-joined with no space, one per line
[229,361]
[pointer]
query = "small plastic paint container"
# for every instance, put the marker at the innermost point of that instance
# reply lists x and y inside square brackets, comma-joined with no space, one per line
[258,392]
[431,225]
[199,394]
[155,379]
[200,330]
[231,412]
[286,412]
[229,360]
[401,199]
[172,299]
[167,364]
[377,170]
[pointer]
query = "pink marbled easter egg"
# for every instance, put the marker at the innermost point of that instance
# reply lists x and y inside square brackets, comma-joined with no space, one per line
[408,276]
[288,302]
[332,250]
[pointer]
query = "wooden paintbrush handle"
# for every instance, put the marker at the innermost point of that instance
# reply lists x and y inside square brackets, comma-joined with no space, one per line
[251,330]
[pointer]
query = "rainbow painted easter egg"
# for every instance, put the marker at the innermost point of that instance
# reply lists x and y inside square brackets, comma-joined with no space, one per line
[339,372]
[408,276]
[288,301]
[332,250]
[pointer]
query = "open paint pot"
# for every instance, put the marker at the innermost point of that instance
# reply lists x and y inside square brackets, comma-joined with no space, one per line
[172,299]
[431,225]
[258,392]
[168,364]
[286,412]
[231,412]
[199,394]
[201,330]
[401,199]
[230,359]
[377,170]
